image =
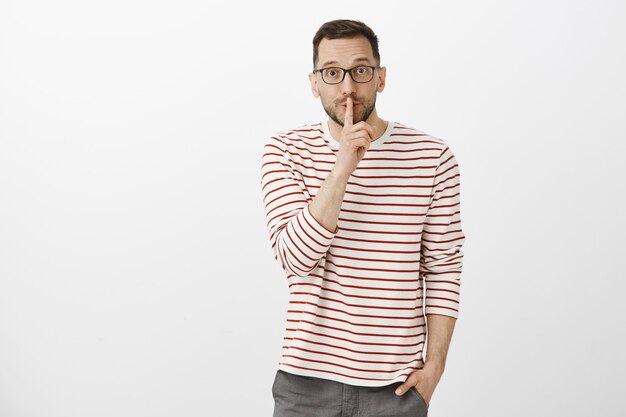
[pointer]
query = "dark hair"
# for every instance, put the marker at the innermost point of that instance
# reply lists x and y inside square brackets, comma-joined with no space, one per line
[344,28]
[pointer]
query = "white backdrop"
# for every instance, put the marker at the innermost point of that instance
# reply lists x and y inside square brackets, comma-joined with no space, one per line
[136,274]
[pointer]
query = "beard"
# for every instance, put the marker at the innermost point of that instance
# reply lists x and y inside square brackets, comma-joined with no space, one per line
[366,109]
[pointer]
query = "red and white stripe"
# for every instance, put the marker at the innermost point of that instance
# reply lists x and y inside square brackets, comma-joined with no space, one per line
[357,299]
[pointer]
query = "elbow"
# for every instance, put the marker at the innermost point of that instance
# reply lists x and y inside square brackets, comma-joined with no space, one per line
[292,265]
[292,260]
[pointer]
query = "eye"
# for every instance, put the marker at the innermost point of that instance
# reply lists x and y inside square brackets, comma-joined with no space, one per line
[362,70]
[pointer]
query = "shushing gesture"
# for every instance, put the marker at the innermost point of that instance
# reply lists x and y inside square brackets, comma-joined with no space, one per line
[354,142]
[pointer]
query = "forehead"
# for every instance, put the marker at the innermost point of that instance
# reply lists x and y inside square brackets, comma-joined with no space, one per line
[345,52]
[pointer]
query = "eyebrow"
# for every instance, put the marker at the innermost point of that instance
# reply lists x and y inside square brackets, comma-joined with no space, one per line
[362,59]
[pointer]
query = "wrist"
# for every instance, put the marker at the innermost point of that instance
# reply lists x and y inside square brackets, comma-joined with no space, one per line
[340,175]
[435,364]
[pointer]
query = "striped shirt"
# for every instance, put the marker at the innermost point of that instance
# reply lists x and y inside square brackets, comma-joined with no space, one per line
[358,294]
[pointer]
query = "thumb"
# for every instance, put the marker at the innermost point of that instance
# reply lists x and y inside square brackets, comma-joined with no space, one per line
[404,387]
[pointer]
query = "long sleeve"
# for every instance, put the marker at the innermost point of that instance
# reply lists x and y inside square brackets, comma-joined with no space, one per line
[298,240]
[442,239]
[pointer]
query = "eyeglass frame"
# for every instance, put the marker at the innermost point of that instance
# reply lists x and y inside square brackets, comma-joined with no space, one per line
[346,71]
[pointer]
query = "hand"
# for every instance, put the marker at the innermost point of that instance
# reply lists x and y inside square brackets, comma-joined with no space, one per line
[354,142]
[424,380]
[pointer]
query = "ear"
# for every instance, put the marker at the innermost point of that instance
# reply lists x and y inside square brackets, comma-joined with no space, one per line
[382,73]
[313,80]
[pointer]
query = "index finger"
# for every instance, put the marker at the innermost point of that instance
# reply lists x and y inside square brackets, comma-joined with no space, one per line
[348,119]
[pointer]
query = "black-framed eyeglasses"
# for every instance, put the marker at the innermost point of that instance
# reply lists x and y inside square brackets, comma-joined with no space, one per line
[335,75]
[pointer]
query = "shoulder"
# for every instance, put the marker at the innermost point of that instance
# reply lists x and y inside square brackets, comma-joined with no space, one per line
[409,134]
[310,130]
[302,135]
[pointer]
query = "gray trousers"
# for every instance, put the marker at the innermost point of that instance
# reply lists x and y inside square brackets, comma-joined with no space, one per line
[304,396]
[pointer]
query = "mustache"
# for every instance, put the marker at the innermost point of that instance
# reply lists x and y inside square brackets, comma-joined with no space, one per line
[343,103]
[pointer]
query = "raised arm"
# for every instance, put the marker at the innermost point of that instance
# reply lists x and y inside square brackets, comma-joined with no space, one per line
[301,231]
[298,239]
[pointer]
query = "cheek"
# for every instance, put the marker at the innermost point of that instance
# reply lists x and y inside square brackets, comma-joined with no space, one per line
[328,104]
[329,100]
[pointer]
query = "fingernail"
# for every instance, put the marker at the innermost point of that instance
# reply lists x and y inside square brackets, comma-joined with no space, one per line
[398,391]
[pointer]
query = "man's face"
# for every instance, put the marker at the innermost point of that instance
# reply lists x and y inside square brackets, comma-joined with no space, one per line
[347,53]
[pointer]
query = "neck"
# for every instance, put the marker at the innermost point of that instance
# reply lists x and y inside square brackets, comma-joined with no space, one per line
[372,120]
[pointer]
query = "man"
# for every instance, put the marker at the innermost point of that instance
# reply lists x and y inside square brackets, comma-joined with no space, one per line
[364,218]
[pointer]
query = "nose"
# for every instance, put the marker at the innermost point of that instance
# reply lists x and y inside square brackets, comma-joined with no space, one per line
[348,85]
